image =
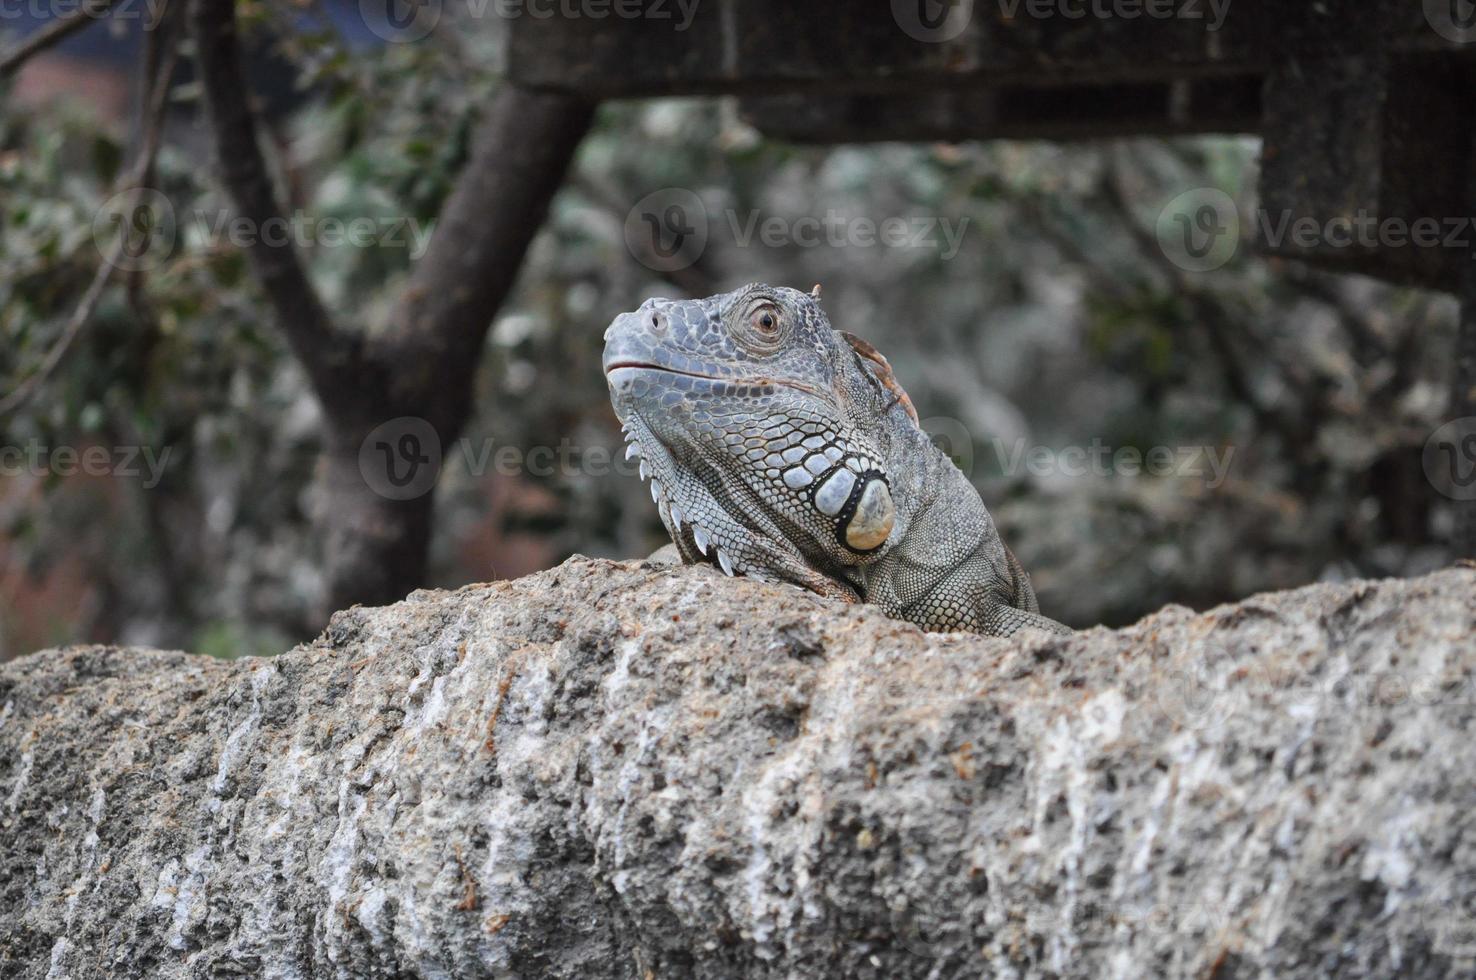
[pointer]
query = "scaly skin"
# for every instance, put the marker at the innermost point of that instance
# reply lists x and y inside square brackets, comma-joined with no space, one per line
[785,450]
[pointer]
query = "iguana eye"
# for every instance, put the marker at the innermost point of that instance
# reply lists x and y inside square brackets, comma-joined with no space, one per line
[760,326]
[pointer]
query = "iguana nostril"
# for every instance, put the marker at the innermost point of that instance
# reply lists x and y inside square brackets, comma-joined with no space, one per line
[658,322]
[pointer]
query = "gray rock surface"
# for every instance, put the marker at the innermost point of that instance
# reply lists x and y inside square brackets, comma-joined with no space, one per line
[624,770]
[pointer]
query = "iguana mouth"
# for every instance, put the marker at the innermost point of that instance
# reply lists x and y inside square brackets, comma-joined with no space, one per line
[647,366]
[755,380]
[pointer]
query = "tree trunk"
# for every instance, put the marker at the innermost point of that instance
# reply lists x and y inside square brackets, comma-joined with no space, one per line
[1460,452]
[1461,459]
[632,771]
[381,463]
[376,528]
[377,504]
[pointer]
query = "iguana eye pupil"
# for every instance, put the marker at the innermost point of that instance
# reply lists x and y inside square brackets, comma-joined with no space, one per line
[765,322]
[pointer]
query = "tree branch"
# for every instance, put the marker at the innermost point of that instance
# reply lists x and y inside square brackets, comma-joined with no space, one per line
[329,356]
[133,181]
[89,12]
[522,149]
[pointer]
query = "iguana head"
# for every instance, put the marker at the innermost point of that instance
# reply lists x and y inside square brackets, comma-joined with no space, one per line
[761,427]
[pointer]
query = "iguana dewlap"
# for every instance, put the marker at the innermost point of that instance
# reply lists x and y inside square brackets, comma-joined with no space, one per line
[782,449]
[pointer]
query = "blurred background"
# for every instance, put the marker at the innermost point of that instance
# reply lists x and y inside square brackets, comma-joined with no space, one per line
[1028,309]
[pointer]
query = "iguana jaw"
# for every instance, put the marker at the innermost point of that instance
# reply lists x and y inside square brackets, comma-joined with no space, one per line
[704,530]
[629,365]
[610,369]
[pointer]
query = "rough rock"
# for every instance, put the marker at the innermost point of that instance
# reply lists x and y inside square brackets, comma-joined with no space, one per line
[625,770]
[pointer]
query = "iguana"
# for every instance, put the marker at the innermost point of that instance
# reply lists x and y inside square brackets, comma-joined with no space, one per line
[782,449]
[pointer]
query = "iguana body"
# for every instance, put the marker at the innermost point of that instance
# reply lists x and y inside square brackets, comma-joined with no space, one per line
[780,448]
